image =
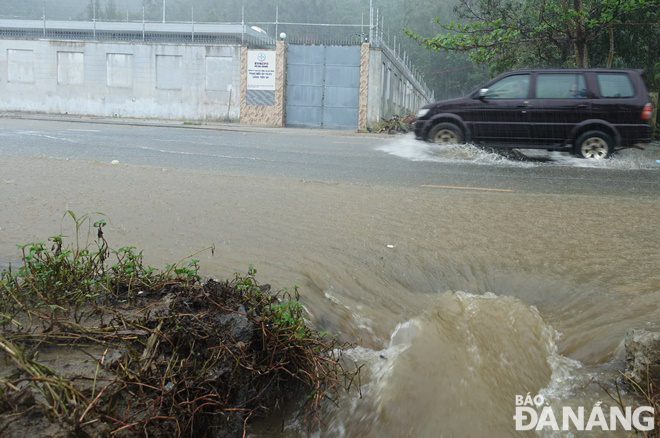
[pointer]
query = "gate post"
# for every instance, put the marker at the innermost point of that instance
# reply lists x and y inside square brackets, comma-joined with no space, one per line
[262,102]
[364,87]
[280,82]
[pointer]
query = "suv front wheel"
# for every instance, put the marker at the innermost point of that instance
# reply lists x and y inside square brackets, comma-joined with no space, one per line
[446,133]
[594,145]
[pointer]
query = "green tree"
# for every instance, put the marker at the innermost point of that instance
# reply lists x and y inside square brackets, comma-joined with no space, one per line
[632,44]
[507,33]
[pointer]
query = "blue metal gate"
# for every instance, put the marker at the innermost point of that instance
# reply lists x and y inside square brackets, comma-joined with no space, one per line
[323,86]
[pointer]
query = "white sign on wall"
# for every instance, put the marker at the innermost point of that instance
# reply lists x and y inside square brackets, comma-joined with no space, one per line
[261,70]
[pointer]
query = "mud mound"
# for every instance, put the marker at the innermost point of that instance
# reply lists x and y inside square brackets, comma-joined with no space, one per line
[98,349]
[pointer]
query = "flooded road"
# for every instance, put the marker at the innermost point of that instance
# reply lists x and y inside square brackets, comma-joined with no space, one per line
[334,157]
[457,300]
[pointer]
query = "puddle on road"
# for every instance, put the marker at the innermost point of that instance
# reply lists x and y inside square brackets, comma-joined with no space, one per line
[43,135]
[407,147]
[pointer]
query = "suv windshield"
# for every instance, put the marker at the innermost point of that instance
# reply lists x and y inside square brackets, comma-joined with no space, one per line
[511,87]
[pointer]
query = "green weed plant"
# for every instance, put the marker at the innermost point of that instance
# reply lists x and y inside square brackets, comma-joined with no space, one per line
[58,276]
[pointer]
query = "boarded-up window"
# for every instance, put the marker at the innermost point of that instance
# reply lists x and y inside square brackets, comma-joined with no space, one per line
[219,71]
[70,68]
[20,66]
[169,72]
[119,70]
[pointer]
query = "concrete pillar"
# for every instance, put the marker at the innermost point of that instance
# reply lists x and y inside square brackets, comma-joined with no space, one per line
[375,93]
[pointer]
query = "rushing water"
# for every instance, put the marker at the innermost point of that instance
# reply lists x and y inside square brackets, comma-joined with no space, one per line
[457,301]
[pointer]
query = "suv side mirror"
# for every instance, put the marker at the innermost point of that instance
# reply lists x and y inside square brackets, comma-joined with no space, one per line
[483,92]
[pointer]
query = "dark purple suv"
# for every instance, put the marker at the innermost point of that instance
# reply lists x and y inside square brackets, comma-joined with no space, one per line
[587,111]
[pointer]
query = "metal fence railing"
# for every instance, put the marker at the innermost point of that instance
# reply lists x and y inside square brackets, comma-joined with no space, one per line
[195,33]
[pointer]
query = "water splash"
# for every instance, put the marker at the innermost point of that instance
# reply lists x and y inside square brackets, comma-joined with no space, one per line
[457,369]
[625,159]
[442,371]
[414,150]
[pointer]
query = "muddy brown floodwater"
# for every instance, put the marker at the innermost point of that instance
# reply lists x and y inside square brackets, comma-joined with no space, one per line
[457,300]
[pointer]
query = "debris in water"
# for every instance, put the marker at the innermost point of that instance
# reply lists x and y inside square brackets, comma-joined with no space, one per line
[393,125]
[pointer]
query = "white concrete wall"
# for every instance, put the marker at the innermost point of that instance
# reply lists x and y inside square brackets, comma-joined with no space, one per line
[391,90]
[120,79]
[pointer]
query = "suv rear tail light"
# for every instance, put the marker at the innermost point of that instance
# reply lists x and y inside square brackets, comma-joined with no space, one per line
[647,112]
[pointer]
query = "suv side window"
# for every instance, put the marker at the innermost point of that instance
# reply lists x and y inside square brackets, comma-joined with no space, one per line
[561,86]
[617,85]
[511,87]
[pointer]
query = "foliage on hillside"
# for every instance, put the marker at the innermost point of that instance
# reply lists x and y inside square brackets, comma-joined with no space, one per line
[506,34]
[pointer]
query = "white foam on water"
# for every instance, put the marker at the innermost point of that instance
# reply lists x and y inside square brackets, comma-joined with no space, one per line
[567,375]
[409,148]
[626,159]
[404,333]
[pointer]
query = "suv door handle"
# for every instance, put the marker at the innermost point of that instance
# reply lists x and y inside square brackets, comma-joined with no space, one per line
[582,105]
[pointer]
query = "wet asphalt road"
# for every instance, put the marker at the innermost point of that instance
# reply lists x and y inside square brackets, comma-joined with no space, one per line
[333,157]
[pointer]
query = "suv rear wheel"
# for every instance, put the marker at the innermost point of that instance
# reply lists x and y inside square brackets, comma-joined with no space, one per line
[446,133]
[594,145]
